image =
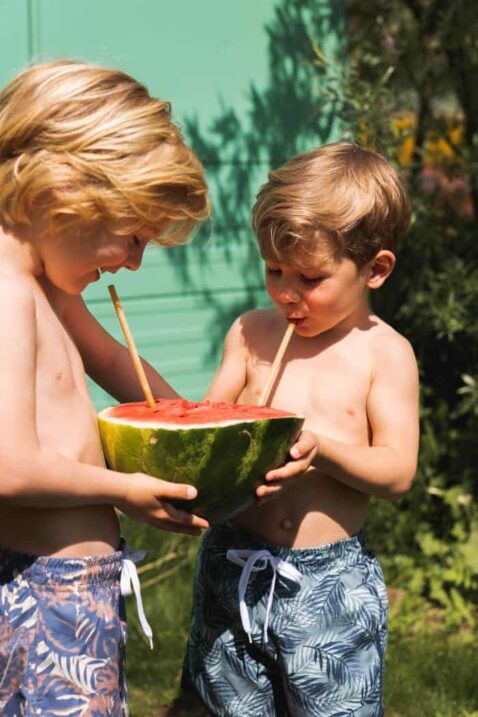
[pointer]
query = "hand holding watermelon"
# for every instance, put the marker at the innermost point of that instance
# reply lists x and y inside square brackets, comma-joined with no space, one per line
[222,449]
[148,499]
[302,453]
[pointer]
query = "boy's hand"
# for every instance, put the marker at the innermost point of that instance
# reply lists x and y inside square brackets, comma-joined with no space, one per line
[302,453]
[146,499]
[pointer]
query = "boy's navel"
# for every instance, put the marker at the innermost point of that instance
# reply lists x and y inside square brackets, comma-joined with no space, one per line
[286,524]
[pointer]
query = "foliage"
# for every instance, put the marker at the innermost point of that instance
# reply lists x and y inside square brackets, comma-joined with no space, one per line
[403,93]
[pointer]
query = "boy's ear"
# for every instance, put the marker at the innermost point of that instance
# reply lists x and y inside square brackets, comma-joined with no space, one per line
[380,268]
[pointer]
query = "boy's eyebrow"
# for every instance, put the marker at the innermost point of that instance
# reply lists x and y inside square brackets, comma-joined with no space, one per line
[319,266]
[272,261]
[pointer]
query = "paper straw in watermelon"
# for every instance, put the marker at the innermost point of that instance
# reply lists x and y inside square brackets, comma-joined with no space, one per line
[138,366]
[276,364]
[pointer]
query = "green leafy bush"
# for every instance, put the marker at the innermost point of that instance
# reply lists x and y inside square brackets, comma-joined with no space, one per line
[404,64]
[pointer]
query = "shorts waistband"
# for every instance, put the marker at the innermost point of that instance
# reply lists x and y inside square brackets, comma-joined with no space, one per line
[58,572]
[223,536]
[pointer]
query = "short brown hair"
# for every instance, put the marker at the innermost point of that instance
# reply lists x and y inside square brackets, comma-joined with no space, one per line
[347,196]
[87,145]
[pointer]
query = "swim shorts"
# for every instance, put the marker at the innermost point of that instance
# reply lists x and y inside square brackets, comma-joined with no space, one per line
[284,632]
[62,636]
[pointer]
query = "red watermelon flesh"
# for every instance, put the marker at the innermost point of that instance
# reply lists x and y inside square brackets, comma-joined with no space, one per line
[181,412]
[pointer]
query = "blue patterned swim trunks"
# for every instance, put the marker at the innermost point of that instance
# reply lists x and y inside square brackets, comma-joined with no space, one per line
[286,632]
[62,636]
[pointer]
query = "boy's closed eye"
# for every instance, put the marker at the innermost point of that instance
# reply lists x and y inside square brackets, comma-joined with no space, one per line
[307,280]
[311,280]
[273,272]
[136,241]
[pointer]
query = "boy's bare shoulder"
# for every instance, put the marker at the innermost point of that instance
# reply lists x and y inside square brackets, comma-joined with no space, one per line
[16,293]
[259,319]
[388,346]
[248,326]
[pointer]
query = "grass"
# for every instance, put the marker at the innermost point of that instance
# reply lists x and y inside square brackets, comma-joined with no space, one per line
[428,674]
[431,676]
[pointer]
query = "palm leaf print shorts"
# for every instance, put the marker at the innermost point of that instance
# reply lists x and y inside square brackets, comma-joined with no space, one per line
[62,635]
[284,632]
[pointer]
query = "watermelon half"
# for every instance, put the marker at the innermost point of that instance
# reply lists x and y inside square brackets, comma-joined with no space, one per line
[222,449]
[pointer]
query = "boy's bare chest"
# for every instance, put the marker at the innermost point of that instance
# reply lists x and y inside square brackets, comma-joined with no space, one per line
[65,416]
[59,366]
[329,387]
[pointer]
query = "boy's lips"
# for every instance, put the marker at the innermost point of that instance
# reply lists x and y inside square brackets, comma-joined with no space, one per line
[295,319]
[101,270]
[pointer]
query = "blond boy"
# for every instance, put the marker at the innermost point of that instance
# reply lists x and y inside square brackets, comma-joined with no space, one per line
[91,170]
[290,609]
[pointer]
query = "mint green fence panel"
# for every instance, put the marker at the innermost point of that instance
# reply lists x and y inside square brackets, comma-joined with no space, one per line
[243,86]
[15,38]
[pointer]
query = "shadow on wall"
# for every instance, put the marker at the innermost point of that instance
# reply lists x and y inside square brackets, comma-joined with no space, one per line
[286,117]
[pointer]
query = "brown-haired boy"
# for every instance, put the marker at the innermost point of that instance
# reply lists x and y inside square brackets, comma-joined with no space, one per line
[91,169]
[290,608]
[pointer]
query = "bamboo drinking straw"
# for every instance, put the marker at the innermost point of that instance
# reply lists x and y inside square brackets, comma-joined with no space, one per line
[138,366]
[276,364]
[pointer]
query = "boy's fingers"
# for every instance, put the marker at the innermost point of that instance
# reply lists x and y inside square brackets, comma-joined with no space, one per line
[178,491]
[265,490]
[268,493]
[176,515]
[290,469]
[306,443]
[164,523]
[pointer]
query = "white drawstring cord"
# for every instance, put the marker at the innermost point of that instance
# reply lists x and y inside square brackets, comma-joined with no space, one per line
[130,583]
[254,561]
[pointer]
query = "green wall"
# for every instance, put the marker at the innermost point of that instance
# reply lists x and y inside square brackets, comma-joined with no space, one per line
[243,87]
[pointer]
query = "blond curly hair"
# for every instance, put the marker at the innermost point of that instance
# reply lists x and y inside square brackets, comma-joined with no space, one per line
[341,197]
[84,145]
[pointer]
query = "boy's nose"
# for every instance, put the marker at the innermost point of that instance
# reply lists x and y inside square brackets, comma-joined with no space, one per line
[135,258]
[288,295]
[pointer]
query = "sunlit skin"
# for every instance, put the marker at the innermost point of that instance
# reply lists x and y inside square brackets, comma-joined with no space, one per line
[353,378]
[73,261]
[56,496]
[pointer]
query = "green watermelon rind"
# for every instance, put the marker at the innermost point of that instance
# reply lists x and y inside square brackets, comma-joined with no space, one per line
[208,457]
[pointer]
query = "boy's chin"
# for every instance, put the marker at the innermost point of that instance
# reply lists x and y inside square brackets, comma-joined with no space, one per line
[307,332]
[72,288]
[310,334]
[94,276]
[76,287]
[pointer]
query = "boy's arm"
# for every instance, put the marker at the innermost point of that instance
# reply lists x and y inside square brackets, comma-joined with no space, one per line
[106,360]
[387,467]
[230,377]
[32,473]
